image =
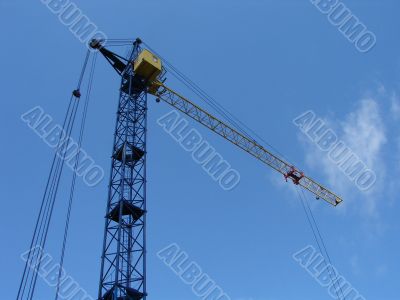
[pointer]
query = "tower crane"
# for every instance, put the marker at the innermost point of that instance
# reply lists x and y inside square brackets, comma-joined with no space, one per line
[123,266]
[123,260]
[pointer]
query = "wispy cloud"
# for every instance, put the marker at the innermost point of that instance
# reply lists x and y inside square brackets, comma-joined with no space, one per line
[364,132]
[395,106]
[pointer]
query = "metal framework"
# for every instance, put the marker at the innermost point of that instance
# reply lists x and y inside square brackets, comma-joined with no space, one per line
[123,265]
[244,142]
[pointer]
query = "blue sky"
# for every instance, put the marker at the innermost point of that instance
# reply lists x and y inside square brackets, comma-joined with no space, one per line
[267,62]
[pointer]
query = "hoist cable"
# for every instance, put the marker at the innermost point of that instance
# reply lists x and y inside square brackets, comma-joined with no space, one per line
[83,70]
[52,199]
[47,204]
[320,243]
[56,180]
[35,253]
[76,164]
[322,240]
[41,211]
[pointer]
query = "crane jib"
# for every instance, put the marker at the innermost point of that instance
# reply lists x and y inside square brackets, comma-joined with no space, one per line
[149,68]
[245,143]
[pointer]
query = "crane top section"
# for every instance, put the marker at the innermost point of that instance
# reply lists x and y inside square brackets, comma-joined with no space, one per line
[148,69]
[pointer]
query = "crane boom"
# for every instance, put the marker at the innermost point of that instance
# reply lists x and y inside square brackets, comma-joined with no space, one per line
[148,71]
[161,91]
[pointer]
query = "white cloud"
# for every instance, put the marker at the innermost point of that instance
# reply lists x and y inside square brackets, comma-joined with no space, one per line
[363,131]
[395,106]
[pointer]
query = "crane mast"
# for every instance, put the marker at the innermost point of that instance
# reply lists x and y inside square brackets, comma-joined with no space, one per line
[123,260]
[123,265]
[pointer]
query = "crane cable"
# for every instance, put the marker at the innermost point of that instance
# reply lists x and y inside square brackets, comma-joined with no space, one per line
[39,238]
[60,165]
[321,244]
[50,201]
[228,116]
[54,185]
[49,198]
[76,165]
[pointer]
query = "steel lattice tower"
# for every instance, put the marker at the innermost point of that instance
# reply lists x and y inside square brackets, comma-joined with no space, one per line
[123,266]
